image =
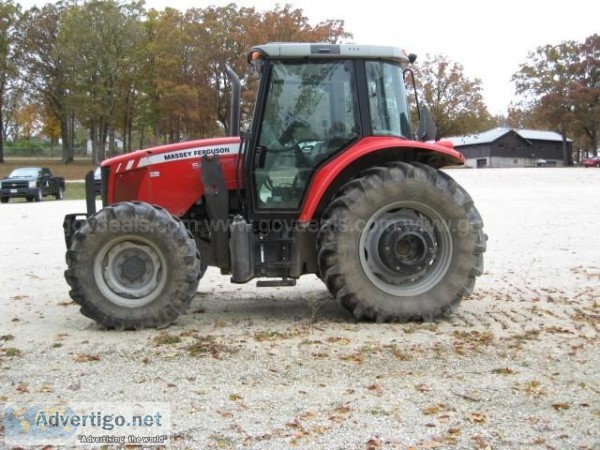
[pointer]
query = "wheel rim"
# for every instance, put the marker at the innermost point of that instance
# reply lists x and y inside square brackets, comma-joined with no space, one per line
[130,272]
[406,248]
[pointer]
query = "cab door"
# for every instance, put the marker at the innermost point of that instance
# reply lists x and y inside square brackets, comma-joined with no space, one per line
[308,112]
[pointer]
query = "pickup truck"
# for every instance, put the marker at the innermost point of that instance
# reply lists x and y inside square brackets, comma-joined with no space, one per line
[31,183]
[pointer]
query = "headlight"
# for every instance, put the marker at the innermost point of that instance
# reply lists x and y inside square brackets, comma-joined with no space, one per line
[32,184]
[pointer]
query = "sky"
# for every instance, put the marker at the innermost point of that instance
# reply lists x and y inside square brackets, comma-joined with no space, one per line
[490,39]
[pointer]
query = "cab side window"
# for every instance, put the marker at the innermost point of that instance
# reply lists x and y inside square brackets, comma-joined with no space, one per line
[310,114]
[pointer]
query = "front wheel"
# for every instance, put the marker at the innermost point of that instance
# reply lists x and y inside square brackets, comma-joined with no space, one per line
[4,199]
[132,266]
[39,195]
[401,242]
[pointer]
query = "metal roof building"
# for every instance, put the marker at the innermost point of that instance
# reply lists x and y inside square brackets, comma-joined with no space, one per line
[509,147]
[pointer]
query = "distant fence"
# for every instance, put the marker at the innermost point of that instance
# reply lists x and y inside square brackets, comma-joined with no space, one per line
[40,151]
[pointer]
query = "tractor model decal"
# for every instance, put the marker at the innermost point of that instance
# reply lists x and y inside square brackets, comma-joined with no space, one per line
[190,153]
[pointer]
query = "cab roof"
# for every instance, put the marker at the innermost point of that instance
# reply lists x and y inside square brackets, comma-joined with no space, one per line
[343,51]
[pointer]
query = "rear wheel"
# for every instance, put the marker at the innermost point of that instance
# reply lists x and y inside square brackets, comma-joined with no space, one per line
[29,199]
[401,242]
[60,194]
[132,266]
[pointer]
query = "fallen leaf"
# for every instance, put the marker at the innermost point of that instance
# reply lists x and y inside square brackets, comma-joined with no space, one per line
[476,417]
[373,444]
[86,357]
[356,357]
[435,409]
[431,444]
[295,423]
[480,443]
[560,406]
[306,415]
[534,389]
[338,340]
[22,388]
[66,303]
[431,410]
[343,409]
[504,371]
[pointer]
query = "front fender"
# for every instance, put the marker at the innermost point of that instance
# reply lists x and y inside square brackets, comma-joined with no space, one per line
[365,153]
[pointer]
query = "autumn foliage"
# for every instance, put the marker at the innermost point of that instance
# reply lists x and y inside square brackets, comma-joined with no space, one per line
[559,88]
[143,77]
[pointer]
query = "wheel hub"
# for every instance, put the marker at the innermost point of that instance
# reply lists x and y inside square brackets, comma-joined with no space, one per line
[134,268]
[130,273]
[405,248]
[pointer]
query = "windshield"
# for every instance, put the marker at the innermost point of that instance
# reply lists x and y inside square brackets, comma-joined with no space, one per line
[387,99]
[25,172]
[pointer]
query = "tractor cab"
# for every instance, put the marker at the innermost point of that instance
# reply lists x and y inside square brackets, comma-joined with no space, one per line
[315,101]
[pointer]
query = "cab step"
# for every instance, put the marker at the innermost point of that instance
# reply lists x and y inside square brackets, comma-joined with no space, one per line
[276,283]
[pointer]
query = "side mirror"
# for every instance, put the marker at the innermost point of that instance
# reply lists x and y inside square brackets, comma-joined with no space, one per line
[427,130]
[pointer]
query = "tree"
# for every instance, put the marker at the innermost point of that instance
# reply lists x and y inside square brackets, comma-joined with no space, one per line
[50,128]
[9,13]
[27,121]
[585,92]
[115,68]
[98,42]
[455,101]
[190,93]
[179,91]
[43,69]
[560,86]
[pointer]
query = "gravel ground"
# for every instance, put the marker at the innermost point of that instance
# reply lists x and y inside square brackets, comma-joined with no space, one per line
[516,367]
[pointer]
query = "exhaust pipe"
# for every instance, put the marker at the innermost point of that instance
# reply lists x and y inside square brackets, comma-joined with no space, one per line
[236,87]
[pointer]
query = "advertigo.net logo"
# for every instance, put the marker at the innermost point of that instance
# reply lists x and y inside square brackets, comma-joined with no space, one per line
[87,424]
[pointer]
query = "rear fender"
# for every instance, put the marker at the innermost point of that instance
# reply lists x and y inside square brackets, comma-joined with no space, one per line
[369,152]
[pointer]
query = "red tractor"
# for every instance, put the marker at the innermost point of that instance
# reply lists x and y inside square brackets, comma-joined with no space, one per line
[330,181]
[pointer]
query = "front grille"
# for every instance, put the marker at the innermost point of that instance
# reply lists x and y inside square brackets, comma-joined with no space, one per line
[17,184]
